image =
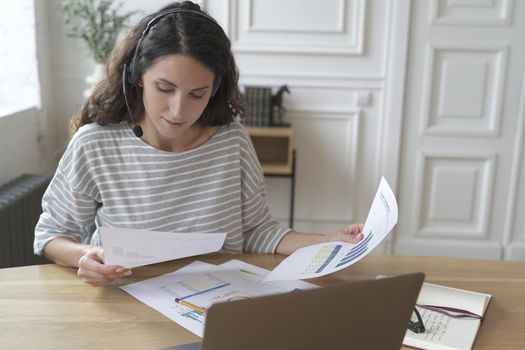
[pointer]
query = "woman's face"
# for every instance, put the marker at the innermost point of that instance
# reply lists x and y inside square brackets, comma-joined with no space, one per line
[177,89]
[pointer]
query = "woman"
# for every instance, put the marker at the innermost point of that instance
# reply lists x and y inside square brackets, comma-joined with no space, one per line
[157,148]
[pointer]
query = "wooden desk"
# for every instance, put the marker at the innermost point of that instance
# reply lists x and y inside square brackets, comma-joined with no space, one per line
[48,307]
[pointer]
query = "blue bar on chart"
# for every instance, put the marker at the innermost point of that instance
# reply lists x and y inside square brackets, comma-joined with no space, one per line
[329,258]
[205,291]
[356,251]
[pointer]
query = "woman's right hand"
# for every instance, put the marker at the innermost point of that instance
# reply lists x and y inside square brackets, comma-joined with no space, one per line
[93,271]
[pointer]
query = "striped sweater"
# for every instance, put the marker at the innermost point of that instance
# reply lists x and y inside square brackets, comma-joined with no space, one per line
[109,178]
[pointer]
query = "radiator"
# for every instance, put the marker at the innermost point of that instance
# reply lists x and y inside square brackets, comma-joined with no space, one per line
[20,208]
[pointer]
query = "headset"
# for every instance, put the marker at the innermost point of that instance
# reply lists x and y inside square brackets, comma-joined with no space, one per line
[131,72]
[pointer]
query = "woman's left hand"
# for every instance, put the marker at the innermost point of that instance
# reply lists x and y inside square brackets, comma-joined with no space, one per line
[350,234]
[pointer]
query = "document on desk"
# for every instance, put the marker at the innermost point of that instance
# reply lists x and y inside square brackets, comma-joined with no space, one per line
[447,332]
[322,259]
[204,284]
[132,248]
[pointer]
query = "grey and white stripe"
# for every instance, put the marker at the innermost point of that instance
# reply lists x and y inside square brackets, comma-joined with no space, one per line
[108,177]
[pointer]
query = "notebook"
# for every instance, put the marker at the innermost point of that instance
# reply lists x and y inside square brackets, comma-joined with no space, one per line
[371,314]
[446,314]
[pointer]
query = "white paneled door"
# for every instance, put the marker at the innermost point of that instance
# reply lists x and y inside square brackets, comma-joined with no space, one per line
[461,187]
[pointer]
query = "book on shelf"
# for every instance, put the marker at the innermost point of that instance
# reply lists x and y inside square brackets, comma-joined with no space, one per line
[258,103]
[249,112]
[451,317]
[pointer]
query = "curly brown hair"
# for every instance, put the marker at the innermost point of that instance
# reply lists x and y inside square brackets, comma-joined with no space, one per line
[183,33]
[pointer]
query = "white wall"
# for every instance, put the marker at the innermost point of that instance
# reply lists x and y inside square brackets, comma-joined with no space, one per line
[18,144]
[333,56]
[348,64]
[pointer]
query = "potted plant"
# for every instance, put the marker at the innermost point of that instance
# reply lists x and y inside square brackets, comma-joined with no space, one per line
[98,23]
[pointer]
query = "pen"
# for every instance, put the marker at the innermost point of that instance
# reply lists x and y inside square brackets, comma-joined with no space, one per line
[190,305]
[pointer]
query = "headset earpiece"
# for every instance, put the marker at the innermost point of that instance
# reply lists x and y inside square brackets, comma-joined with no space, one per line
[133,70]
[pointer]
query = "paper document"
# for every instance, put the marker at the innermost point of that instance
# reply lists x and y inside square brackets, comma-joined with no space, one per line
[324,258]
[204,284]
[133,248]
[442,331]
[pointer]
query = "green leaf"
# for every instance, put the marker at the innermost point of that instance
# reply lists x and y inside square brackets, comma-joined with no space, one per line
[96,22]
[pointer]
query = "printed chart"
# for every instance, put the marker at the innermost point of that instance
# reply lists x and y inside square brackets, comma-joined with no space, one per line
[203,284]
[321,259]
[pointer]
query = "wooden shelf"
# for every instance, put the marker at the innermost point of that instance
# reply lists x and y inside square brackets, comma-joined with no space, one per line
[274,149]
[273,146]
[276,169]
[270,131]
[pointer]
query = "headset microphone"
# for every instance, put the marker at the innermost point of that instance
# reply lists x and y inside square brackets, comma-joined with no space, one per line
[137,129]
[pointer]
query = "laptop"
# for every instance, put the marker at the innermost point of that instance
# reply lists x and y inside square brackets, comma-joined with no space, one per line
[371,314]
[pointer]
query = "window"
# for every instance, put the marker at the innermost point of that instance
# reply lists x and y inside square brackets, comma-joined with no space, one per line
[19,84]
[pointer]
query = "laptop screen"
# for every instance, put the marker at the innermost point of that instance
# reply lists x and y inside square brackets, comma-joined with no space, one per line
[371,314]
